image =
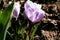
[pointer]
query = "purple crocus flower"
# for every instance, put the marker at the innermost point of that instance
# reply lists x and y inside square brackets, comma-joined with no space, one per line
[33,11]
[16,9]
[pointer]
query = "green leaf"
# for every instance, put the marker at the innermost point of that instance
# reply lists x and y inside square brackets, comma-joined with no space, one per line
[4,19]
[0,13]
[34,30]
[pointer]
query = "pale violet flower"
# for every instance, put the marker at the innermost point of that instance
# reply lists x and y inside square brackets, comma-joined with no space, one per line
[16,9]
[33,11]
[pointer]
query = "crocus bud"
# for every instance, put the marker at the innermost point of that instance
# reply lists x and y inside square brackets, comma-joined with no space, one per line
[33,11]
[16,9]
[9,3]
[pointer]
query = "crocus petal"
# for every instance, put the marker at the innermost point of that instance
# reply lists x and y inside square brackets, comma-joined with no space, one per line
[16,10]
[33,11]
